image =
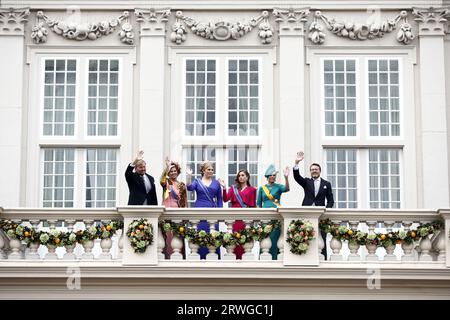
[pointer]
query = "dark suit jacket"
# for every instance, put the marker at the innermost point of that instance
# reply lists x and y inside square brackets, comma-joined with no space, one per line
[325,191]
[136,186]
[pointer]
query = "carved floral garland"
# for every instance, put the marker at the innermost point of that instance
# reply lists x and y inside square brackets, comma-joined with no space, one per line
[221,30]
[140,234]
[59,238]
[83,31]
[380,239]
[256,231]
[358,31]
[299,235]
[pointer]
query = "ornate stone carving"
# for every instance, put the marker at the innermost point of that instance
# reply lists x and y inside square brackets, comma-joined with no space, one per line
[359,31]
[291,20]
[405,34]
[83,31]
[12,20]
[221,30]
[432,21]
[152,21]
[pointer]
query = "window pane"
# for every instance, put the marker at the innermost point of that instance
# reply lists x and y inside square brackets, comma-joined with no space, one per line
[200,75]
[58,176]
[100,169]
[384,95]
[103,97]
[248,97]
[59,93]
[340,94]
[384,178]
[341,171]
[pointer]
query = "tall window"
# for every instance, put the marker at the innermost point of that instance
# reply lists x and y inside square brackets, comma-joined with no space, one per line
[101,172]
[59,97]
[222,109]
[358,93]
[342,174]
[243,97]
[81,102]
[384,174]
[59,173]
[340,97]
[200,97]
[103,97]
[384,97]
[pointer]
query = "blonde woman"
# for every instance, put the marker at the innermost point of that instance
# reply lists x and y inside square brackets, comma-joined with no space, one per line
[209,195]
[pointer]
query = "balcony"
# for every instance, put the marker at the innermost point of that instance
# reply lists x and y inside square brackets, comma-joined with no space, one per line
[108,267]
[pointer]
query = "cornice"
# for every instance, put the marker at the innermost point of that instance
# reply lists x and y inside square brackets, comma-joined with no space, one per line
[222,4]
[190,271]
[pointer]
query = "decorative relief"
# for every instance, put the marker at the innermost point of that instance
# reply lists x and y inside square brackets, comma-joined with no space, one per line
[82,31]
[12,20]
[221,30]
[152,20]
[291,19]
[433,21]
[359,31]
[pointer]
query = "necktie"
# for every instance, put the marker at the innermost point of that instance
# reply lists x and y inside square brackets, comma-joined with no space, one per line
[316,187]
[146,183]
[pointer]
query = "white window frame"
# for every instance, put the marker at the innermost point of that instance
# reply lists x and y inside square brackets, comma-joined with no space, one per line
[402,96]
[79,195]
[406,142]
[35,142]
[86,98]
[357,98]
[178,141]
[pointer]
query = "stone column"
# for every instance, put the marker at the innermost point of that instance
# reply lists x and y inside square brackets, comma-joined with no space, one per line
[131,213]
[311,214]
[12,64]
[150,121]
[291,92]
[432,101]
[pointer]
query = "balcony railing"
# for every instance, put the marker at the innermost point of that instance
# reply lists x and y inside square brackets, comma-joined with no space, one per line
[431,248]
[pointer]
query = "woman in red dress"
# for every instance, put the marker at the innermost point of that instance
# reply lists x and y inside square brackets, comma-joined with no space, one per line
[241,195]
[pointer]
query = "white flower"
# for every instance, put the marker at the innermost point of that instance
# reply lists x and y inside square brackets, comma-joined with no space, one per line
[215,233]
[402,234]
[44,238]
[141,244]
[72,237]
[55,233]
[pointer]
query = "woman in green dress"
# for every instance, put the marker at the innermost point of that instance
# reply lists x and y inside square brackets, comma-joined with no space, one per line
[269,197]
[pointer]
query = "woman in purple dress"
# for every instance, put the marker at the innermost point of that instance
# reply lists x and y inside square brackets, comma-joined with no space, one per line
[209,195]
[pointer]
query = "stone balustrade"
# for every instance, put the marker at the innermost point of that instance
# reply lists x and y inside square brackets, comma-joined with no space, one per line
[173,247]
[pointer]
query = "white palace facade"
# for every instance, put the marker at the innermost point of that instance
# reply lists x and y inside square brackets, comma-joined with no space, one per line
[362,87]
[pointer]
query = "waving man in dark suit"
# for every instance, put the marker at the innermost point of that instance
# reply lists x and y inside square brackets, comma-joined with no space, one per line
[317,190]
[141,185]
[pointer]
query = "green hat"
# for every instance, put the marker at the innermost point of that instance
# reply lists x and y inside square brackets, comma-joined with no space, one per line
[270,171]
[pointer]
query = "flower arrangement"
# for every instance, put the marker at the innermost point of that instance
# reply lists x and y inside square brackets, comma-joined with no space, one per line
[253,232]
[299,235]
[140,234]
[107,230]
[89,234]
[17,231]
[69,238]
[56,237]
[178,228]
[380,239]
